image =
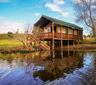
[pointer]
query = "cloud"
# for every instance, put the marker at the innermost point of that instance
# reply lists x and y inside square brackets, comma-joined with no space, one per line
[8,25]
[59,1]
[93,6]
[80,1]
[4,0]
[37,14]
[55,6]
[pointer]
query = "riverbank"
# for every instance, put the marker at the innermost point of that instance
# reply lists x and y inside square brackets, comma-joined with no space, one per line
[81,47]
[21,49]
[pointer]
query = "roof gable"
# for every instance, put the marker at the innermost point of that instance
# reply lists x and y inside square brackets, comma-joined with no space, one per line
[56,21]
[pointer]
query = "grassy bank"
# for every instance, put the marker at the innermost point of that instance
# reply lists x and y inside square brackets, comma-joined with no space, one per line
[9,43]
[89,40]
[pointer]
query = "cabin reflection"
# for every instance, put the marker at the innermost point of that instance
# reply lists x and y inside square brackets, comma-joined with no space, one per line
[48,65]
[58,64]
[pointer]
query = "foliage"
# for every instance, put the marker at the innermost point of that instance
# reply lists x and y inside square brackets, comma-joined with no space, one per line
[21,38]
[86,12]
[10,35]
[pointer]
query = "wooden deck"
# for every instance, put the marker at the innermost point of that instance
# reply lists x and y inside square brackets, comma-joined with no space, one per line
[60,36]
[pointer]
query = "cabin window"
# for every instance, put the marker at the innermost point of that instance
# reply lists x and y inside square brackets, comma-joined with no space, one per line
[48,29]
[63,30]
[70,31]
[54,28]
[80,32]
[58,29]
[75,32]
[66,31]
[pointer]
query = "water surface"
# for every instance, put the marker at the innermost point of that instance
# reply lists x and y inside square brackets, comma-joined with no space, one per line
[50,68]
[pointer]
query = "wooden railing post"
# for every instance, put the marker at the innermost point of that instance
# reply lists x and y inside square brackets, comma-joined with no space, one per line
[73,33]
[56,29]
[61,38]
[78,36]
[43,32]
[61,31]
[73,38]
[68,33]
[68,37]
[52,30]
[53,36]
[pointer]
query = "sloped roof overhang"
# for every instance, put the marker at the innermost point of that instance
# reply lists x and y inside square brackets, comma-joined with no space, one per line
[44,20]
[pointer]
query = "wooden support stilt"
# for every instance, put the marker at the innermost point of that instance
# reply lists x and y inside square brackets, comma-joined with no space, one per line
[61,44]
[53,54]
[68,53]
[68,44]
[52,44]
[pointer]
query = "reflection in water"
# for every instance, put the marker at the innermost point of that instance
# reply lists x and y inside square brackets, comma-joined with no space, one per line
[45,67]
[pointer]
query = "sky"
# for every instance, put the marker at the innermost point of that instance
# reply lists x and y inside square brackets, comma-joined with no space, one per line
[15,14]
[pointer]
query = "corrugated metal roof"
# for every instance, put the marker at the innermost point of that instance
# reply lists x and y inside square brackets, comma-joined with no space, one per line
[62,23]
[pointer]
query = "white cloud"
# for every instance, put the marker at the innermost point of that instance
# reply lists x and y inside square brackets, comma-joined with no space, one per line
[4,0]
[37,14]
[8,25]
[93,6]
[55,6]
[59,1]
[80,1]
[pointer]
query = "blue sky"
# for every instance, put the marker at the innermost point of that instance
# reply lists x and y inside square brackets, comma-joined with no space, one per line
[14,14]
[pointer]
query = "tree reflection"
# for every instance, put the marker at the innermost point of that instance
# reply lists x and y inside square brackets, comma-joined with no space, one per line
[52,65]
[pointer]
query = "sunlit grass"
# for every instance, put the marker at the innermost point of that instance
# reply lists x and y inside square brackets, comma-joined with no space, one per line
[89,40]
[10,43]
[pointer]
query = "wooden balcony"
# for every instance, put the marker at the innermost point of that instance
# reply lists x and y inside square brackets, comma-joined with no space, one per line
[60,36]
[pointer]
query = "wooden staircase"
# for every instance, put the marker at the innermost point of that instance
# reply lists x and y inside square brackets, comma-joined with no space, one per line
[44,46]
[37,38]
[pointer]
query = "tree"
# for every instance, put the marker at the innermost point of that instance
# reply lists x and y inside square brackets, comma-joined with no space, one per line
[86,12]
[27,32]
[21,38]
[24,36]
[10,35]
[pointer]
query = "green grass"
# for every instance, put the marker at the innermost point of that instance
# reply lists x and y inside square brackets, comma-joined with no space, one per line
[10,43]
[89,40]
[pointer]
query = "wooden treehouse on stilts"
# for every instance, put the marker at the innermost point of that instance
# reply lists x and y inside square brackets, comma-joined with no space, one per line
[55,30]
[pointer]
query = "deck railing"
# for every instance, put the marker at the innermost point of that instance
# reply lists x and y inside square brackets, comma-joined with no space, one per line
[59,36]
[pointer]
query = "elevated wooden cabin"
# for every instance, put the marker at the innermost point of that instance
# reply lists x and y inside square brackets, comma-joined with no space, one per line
[57,30]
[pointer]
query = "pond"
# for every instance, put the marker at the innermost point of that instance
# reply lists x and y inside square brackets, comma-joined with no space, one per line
[48,68]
